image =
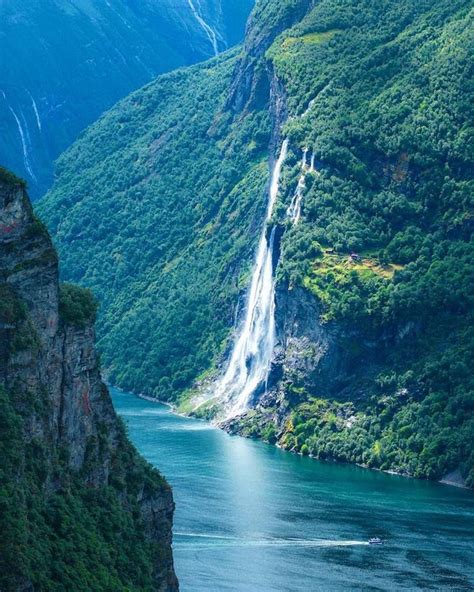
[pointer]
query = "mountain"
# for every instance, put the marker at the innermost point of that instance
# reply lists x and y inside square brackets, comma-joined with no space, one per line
[359,113]
[65,62]
[79,508]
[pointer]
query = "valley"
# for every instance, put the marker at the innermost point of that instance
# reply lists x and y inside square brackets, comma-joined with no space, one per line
[161,205]
[237,315]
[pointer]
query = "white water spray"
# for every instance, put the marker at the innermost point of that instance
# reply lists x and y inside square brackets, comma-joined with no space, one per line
[208,30]
[294,209]
[251,356]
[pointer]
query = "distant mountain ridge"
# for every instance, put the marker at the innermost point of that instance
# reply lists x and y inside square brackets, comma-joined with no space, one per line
[64,62]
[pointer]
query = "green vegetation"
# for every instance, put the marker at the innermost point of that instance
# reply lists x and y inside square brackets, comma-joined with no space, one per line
[389,125]
[77,537]
[75,496]
[424,436]
[11,308]
[158,208]
[10,178]
[77,306]
[167,196]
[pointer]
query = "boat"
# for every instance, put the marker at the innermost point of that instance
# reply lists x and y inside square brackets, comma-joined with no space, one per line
[375,541]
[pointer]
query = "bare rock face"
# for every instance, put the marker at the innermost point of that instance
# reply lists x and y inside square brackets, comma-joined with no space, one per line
[332,359]
[310,353]
[251,85]
[48,360]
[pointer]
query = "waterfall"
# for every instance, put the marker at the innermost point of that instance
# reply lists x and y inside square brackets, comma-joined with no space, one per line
[294,209]
[24,144]
[251,356]
[35,109]
[208,30]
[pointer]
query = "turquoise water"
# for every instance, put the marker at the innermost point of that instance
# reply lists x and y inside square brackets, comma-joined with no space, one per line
[252,518]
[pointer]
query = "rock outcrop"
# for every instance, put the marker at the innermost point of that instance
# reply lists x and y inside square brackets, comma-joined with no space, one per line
[49,370]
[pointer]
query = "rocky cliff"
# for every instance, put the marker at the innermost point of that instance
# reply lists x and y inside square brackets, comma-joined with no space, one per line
[75,495]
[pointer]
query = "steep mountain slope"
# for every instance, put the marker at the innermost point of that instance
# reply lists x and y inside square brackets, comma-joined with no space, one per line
[172,231]
[64,63]
[79,509]
[373,224]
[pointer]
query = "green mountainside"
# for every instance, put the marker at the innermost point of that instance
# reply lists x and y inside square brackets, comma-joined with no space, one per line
[159,205]
[163,241]
[64,62]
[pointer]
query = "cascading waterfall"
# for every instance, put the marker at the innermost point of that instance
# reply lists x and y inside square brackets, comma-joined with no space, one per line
[208,30]
[249,363]
[24,144]
[294,209]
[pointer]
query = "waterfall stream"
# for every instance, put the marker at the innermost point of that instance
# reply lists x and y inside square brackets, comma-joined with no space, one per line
[24,143]
[294,209]
[249,363]
[208,30]
[35,109]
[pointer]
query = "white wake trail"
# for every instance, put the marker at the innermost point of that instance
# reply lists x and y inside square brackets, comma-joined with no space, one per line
[214,541]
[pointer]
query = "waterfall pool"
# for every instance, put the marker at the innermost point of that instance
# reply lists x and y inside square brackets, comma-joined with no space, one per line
[253,518]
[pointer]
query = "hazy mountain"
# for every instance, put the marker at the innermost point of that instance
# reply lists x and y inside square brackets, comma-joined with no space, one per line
[66,61]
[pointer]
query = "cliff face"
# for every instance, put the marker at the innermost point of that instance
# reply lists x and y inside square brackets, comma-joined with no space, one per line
[51,382]
[332,358]
[251,82]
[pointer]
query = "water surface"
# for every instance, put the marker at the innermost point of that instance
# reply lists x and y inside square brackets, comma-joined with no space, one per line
[252,518]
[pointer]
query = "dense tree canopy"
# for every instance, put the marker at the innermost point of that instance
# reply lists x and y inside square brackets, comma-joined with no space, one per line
[158,209]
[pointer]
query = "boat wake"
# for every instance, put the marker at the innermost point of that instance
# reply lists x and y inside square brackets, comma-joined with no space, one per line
[195,541]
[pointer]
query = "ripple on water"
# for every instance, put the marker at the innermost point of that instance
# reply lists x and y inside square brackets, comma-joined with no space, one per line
[251,518]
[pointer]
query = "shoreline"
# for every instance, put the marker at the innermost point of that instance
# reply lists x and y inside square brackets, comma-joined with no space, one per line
[150,399]
[452,479]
